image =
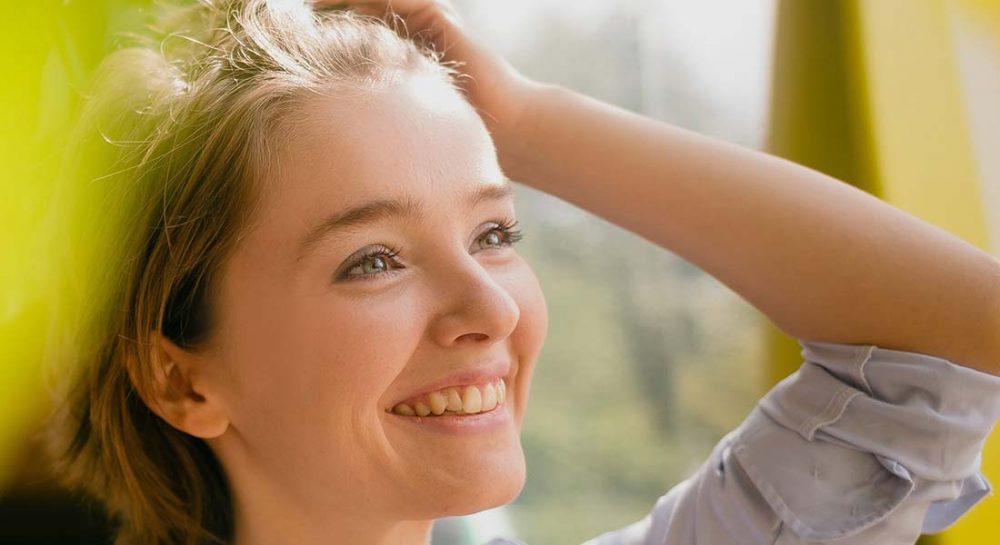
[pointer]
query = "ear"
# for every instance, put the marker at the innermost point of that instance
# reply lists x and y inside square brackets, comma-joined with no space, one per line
[183,394]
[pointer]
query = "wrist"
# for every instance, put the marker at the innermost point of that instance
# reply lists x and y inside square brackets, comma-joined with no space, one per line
[515,140]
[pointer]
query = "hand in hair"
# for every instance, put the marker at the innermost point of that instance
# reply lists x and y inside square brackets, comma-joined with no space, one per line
[496,89]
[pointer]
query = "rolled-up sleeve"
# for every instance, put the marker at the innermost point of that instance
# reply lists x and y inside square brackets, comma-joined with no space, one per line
[860,445]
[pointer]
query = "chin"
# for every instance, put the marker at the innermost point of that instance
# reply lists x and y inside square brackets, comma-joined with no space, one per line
[504,484]
[491,482]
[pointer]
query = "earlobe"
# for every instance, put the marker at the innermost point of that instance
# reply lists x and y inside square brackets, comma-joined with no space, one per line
[182,394]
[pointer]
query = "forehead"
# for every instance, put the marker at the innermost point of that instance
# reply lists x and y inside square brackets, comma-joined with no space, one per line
[415,136]
[416,140]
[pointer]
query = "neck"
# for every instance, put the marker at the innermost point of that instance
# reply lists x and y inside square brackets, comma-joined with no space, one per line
[263,515]
[262,523]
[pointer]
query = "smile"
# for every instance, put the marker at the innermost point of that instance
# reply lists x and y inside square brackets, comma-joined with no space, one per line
[456,400]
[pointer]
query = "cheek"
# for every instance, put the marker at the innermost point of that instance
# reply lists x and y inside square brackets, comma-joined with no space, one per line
[529,335]
[307,364]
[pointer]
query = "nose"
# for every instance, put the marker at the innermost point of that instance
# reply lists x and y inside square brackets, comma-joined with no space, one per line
[474,306]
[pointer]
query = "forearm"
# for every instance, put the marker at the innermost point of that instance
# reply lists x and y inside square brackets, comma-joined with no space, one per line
[821,259]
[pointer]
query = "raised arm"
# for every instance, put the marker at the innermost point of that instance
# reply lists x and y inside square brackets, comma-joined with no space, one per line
[823,260]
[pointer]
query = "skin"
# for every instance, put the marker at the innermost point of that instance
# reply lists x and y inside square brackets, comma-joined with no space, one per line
[292,394]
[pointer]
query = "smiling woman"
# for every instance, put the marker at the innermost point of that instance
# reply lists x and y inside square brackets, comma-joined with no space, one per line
[316,233]
[313,328]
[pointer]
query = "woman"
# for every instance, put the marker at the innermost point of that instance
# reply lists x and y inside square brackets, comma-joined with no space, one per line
[319,332]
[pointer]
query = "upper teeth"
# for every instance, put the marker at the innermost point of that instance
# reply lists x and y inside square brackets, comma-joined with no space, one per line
[470,399]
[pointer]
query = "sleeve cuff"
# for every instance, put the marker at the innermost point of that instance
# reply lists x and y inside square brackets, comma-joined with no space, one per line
[860,428]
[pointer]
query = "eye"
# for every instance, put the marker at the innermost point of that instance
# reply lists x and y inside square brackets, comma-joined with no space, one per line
[373,262]
[380,260]
[502,233]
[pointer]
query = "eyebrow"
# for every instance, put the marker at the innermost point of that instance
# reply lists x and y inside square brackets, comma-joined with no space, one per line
[379,210]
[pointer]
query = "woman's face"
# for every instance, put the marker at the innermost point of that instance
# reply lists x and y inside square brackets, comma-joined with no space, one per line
[317,344]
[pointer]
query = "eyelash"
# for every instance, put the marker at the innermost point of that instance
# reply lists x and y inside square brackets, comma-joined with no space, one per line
[506,227]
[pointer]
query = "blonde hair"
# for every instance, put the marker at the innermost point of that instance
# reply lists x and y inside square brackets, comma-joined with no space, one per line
[172,150]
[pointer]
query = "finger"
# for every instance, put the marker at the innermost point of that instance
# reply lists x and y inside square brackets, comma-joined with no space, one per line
[339,3]
[349,4]
[378,9]
[402,7]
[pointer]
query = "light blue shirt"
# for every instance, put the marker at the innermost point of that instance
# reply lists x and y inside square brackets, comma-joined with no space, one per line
[863,445]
